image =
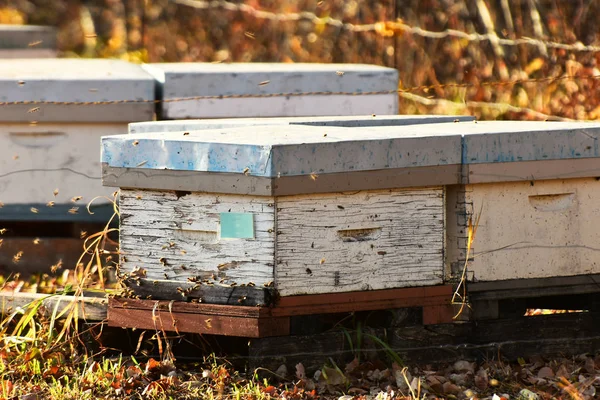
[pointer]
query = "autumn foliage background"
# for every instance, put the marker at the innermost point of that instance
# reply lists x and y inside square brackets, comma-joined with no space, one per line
[171,31]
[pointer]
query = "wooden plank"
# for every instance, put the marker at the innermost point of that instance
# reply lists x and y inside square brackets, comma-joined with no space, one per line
[211,294]
[177,234]
[361,241]
[362,301]
[232,183]
[533,170]
[90,308]
[211,319]
[438,314]
[190,308]
[536,283]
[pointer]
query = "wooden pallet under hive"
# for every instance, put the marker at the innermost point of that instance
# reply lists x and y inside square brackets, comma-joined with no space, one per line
[265,321]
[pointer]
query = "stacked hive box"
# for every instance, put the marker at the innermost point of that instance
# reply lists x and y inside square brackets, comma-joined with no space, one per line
[535,187]
[55,146]
[27,41]
[309,208]
[274,90]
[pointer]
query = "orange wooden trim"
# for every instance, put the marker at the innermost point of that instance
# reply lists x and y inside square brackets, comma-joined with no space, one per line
[198,322]
[362,301]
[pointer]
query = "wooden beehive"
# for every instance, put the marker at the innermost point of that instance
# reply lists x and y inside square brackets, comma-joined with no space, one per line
[44,147]
[220,214]
[312,89]
[27,41]
[536,188]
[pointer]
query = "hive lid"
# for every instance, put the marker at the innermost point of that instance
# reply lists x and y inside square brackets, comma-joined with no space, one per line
[79,81]
[27,37]
[341,121]
[529,151]
[236,80]
[270,159]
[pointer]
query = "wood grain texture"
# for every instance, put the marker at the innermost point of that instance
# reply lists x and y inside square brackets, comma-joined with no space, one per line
[175,236]
[359,241]
[540,229]
[196,318]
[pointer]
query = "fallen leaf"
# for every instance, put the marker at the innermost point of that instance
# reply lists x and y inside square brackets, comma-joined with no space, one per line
[450,388]
[545,373]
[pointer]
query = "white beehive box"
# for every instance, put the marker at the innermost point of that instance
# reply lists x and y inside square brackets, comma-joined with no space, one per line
[536,187]
[311,209]
[313,89]
[48,146]
[27,41]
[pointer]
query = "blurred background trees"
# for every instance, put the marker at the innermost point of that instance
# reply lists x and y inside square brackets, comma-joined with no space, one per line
[176,31]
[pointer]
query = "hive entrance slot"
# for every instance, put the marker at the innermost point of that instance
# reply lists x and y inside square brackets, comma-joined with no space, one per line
[552,202]
[359,235]
[196,236]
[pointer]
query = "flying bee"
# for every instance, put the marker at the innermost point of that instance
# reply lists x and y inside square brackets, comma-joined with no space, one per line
[339,73]
[136,142]
[73,210]
[33,110]
[36,241]
[16,157]
[1,204]
[76,199]
[263,83]
[313,176]
[17,257]
[3,231]
[34,210]
[322,261]
[1,241]
[56,266]
[208,324]
[249,35]
[20,83]
[242,299]
[246,171]
[36,43]
[82,234]
[55,192]
[50,204]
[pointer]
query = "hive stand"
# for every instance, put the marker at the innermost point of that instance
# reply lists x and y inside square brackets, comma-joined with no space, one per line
[322,219]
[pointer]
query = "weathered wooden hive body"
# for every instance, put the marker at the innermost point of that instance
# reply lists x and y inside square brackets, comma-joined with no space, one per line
[535,188]
[221,214]
[254,89]
[49,146]
[27,41]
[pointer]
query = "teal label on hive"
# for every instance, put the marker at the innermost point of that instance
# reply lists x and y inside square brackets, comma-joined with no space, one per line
[237,226]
